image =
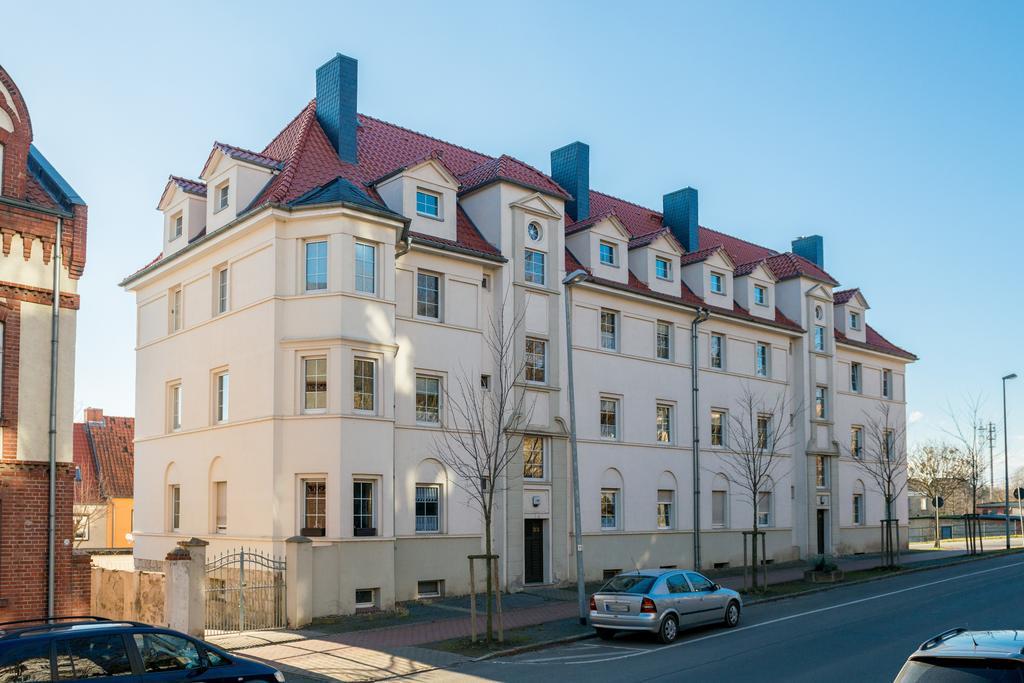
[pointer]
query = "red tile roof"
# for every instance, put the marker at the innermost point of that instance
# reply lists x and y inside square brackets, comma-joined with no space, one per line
[515,171]
[248,155]
[197,187]
[104,451]
[875,342]
[842,296]
[467,235]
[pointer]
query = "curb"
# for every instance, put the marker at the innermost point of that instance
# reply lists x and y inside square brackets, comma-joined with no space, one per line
[534,646]
[913,570]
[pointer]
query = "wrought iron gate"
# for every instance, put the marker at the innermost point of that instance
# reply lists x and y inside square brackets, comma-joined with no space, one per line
[245,591]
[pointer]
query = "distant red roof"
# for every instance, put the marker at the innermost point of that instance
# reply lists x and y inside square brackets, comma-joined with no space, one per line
[104,452]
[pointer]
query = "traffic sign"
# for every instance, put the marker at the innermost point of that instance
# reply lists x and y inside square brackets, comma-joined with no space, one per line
[1018,493]
[938,501]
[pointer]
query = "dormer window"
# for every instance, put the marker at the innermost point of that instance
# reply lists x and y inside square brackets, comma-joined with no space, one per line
[760,295]
[607,253]
[428,204]
[854,320]
[717,283]
[223,194]
[663,268]
[177,223]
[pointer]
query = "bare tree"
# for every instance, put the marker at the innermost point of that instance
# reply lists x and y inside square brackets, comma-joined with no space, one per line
[758,434]
[883,458]
[967,423]
[84,517]
[481,432]
[938,470]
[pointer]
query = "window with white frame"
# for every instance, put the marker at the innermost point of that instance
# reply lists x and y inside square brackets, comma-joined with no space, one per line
[819,338]
[760,295]
[366,268]
[663,340]
[764,509]
[428,204]
[609,330]
[662,268]
[174,507]
[428,295]
[821,472]
[854,320]
[314,507]
[316,265]
[820,402]
[222,388]
[607,253]
[366,598]
[718,418]
[887,384]
[223,196]
[434,588]
[888,443]
[533,266]
[663,423]
[81,527]
[536,360]
[717,351]
[534,231]
[177,225]
[666,499]
[176,309]
[719,499]
[857,441]
[855,372]
[762,359]
[533,457]
[220,497]
[609,509]
[858,509]
[222,290]
[314,381]
[428,508]
[764,430]
[609,418]
[717,283]
[174,397]
[364,508]
[364,386]
[428,399]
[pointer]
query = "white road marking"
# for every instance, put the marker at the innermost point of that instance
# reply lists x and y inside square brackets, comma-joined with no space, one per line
[850,603]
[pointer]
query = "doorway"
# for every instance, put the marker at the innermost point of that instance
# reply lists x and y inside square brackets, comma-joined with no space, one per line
[533,550]
[822,531]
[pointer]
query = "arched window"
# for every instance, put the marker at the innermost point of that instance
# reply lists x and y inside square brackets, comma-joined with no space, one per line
[429,496]
[667,501]
[611,500]
[172,502]
[720,502]
[859,500]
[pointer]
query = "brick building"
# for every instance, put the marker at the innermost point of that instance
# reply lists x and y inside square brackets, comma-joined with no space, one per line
[35,201]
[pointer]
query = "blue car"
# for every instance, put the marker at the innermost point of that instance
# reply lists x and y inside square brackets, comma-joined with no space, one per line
[81,648]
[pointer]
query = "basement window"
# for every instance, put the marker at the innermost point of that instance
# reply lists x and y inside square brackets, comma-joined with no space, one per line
[430,589]
[366,598]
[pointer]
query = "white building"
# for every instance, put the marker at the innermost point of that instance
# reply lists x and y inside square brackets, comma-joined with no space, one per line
[312,299]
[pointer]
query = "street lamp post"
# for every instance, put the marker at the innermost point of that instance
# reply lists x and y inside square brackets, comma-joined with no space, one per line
[571,279]
[1006,462]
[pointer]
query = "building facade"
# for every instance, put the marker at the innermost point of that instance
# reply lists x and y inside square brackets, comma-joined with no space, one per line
[104,455]
[313,302]
[36,202]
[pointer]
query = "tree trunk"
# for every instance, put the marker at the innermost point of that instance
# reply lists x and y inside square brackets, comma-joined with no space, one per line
[490,580]
[753,555]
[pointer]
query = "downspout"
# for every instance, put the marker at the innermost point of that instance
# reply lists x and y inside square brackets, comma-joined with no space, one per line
[54,348]
[702,315]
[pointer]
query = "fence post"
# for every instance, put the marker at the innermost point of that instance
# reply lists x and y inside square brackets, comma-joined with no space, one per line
[299,581]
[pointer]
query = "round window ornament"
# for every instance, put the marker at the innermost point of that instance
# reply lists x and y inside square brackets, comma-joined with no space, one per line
[533,230]
[819,312]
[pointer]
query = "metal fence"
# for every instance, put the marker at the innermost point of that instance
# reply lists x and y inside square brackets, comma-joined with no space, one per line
[245,591]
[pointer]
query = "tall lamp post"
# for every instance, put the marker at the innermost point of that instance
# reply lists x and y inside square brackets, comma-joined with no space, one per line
[1006,462]
[571,279]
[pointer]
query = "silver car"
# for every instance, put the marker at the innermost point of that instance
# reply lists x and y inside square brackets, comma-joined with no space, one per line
[661,601]
[959,655]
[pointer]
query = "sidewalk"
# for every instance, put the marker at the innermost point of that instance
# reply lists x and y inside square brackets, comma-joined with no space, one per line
[351,654]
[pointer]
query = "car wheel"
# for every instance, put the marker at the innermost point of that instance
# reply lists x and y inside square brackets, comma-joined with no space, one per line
[732,614]
[669,630]
[605,633]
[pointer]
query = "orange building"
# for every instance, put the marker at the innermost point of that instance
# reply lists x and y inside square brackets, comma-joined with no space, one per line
[104,456]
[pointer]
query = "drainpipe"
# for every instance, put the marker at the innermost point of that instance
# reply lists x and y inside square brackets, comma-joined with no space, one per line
[54,347]
[702,315]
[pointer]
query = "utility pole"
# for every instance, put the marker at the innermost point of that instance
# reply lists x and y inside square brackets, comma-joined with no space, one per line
[989,433]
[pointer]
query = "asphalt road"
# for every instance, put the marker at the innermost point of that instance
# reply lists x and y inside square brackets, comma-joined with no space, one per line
[853,634]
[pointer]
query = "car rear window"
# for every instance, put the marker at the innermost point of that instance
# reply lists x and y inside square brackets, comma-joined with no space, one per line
[25,662]
[956,670]
[629,583]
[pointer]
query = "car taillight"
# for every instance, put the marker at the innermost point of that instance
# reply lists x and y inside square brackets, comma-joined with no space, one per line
[647,606]
[593,604]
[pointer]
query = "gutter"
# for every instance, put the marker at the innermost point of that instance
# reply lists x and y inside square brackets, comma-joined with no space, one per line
[54,355]
[702,315]
[34,207]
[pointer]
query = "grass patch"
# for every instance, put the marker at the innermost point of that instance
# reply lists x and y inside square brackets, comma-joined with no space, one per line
[801,586]
[361,621]
[525,635]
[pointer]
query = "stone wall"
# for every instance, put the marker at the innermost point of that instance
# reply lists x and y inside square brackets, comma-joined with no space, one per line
[131,595]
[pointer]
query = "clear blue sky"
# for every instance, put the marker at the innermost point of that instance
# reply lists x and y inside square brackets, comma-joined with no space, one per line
[892,129]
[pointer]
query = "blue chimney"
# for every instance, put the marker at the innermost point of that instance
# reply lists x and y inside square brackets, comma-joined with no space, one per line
[570,167]
[811,248]
[679,211]
[336,104]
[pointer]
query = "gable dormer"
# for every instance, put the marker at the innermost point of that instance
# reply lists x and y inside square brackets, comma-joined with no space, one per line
[183,204]
[755,289]
[601,243]
[654,258]
[233,177]
[850,307]
[709,274]
[425,192]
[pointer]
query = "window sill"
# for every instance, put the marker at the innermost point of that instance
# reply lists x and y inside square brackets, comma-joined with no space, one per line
[432,217]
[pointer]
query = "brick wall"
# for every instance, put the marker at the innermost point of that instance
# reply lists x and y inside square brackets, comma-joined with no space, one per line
[24,501]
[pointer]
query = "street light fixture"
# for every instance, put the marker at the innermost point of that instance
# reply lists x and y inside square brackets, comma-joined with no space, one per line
[573,278]
[1006,462]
